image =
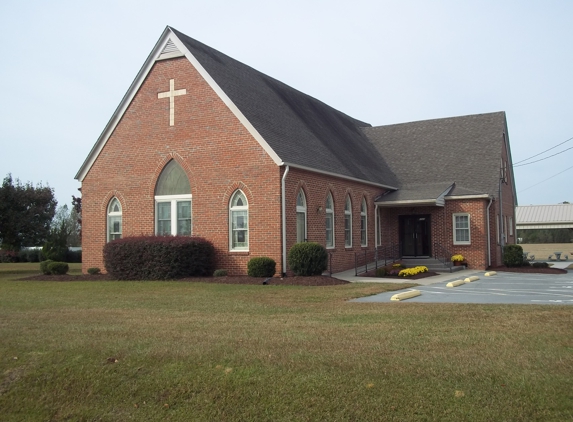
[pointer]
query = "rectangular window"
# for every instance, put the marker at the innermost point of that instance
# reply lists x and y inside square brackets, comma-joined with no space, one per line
[300,227]
[363,241]
[114,227]
[461,229]
[184,218]
[240,233]
[347,230]
[173,215]
[163,218]
[511,226]
[329,236]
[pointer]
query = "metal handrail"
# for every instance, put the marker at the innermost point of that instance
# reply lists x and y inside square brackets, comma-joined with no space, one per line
[373,259]
[443,255]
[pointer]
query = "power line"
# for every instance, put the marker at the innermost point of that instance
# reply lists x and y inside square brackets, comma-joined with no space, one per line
[523,190]
[541,159]
[543,152]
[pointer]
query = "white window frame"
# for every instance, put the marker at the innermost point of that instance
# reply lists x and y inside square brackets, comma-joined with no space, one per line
[461,242]
[363,223]
[301,209]
[235,209]
[114,214]
[329,214]
[348,219]
[173,200]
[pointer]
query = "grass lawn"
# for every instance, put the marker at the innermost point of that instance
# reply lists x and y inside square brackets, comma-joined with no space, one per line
[154,351]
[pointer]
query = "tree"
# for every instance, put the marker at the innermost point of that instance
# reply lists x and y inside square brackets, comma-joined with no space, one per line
[77,208]
[26,212]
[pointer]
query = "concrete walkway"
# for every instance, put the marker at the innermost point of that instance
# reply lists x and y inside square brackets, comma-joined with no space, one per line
[501,288]
[440,278]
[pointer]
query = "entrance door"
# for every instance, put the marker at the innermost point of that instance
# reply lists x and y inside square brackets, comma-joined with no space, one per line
[415,235]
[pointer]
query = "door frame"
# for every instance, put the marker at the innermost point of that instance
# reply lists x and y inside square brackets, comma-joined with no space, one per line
[426,242]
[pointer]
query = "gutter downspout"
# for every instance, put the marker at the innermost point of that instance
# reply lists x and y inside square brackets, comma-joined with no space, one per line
[376,228]
[488,233]
[283,212]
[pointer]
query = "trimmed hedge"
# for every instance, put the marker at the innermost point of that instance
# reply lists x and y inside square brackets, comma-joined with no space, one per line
[58,268]
[308,258]
[94,271]
[540,265]
[44,266]
[513,255]
[220,273]
[158,257]
[261,266]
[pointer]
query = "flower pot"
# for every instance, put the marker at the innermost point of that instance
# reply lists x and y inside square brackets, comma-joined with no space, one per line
[457,263]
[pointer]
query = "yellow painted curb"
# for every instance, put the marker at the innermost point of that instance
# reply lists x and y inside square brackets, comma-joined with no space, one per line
[490,273]
[406,295]
[455,283]
[472,278]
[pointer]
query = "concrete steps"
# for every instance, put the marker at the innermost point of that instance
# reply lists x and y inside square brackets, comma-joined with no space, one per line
[432,265]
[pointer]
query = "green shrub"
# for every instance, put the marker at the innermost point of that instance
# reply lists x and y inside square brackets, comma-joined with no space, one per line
[44,266]
[540,265]
[8,256]
[381,272]
[220,273]
[94,271]
[54,251]
[58,268]
[513,255]
[33,255]
[308,258]
[261,266]
[159,257]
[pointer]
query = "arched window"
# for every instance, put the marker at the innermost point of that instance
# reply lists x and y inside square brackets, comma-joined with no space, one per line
[239,222]
[173,202]
[300,217]
[363,224]
[114,220]
[329,220]
[348,223]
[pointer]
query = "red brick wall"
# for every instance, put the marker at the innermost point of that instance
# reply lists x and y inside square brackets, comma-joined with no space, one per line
[442,227]
[316,188]
[214,149]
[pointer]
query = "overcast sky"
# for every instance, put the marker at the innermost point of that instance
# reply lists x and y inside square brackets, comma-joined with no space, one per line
[67,64]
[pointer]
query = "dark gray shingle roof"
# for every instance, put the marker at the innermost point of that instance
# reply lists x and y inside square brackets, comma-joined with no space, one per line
[465,149]
[299,128]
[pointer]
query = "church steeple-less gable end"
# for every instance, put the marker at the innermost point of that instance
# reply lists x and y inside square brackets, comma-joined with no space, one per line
[168,46]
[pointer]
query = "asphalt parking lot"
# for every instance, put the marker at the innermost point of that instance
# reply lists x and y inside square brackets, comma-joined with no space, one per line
[502,288]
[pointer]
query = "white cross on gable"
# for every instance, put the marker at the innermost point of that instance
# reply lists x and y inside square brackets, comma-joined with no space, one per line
[171,94]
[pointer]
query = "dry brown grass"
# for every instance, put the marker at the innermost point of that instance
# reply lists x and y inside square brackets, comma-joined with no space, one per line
[193,351]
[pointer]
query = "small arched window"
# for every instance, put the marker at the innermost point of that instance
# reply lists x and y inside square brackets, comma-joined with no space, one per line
[363,224]
[300,217]
[173,202]
[114,217]
[239,222]
[348,223]
[329,220]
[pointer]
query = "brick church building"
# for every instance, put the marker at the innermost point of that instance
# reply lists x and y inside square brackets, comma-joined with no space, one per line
[204,145]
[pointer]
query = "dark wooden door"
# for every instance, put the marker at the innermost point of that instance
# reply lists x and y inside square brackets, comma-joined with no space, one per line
[415,235]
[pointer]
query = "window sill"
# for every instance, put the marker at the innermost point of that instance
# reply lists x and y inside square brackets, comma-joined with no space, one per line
[239,252]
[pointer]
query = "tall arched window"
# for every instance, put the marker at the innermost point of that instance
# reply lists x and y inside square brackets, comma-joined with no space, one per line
[329,220]
[173,202]
[348,223]
[363,224]
[300,217]
[239,222]
[114,216]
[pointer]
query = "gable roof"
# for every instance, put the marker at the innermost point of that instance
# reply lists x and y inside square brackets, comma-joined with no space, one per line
[294,128]
[465,149]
